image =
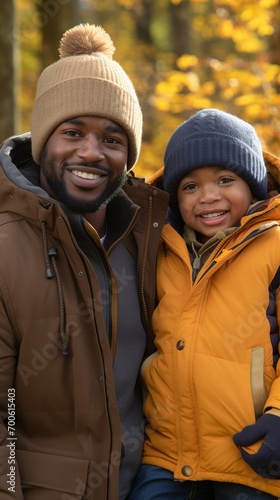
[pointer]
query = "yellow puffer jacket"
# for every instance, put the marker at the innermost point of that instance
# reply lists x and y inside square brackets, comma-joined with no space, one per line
[213,371]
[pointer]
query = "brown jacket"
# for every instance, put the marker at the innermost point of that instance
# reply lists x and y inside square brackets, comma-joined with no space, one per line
[67,439]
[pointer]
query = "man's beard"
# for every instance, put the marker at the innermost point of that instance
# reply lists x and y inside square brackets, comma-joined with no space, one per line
[59,191]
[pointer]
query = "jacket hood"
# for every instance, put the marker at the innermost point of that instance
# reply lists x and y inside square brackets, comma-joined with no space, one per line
[18,164]
[20,190]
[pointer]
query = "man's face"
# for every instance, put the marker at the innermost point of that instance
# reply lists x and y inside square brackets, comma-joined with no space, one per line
[83,163]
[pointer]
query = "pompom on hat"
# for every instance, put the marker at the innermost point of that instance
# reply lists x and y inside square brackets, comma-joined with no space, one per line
[214,138]
[85,81]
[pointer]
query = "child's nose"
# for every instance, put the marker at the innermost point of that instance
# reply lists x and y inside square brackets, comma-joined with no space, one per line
[210,193]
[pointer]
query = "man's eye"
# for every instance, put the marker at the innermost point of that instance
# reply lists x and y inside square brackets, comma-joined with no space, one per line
[72,133]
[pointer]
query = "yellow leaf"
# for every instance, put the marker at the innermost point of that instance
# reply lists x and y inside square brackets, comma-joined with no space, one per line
[240,78]
[187,61]
[250,45]
[245,100]
[266,30]
[208,88]
[272,72]
[254,111]
[247,13]
[240,33]
[267,4]
[161,104]
[233,4]
[250,99]
[229,93]
[226,29]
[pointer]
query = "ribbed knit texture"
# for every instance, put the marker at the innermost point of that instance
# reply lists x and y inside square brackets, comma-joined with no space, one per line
[214,138]
[85,85]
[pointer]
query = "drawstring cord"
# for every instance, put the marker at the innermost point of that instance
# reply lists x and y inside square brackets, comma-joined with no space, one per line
[46,251]
[50,258]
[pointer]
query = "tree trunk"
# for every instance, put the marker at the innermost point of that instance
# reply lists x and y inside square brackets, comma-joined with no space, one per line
[180,27]
[55,18]
[8,79]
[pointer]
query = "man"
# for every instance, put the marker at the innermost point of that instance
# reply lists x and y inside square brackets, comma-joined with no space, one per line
[78,246]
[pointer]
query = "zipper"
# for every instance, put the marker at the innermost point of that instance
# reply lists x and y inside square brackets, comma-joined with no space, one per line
[146,244]
[142,273]
[195,264]
[221,244]
[102,271]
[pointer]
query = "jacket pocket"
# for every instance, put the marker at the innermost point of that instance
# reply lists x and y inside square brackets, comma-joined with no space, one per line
[53,472]
[257,380]
[146,363]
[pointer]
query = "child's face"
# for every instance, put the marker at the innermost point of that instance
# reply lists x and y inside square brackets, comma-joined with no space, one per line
[212,199]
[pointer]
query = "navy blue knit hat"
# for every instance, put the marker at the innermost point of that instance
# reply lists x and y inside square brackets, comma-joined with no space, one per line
[214,138]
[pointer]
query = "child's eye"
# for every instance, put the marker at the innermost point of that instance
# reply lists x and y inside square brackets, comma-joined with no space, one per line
[189,187]
[112,140]
[225,180]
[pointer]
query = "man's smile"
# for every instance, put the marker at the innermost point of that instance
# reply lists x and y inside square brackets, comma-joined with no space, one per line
[86,175]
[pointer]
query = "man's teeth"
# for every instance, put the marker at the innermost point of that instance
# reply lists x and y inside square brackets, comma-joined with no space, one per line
[213,215]
[85,175]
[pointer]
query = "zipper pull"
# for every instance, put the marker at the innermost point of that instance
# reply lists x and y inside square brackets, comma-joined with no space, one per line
[196,266]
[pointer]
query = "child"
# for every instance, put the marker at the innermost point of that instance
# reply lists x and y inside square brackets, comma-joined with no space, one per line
[213,392]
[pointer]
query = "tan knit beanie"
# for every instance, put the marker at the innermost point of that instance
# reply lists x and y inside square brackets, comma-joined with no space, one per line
[85,81]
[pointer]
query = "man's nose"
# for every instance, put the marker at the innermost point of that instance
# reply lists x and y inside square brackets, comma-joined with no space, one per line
[91,149]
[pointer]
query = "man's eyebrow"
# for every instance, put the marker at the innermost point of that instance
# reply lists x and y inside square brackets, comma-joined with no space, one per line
[74,121]
[113,127]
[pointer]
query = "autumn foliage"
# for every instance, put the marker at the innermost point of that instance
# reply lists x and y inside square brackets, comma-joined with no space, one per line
[182,55]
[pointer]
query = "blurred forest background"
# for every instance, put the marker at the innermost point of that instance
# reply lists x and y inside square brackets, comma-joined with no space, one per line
[182,55]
